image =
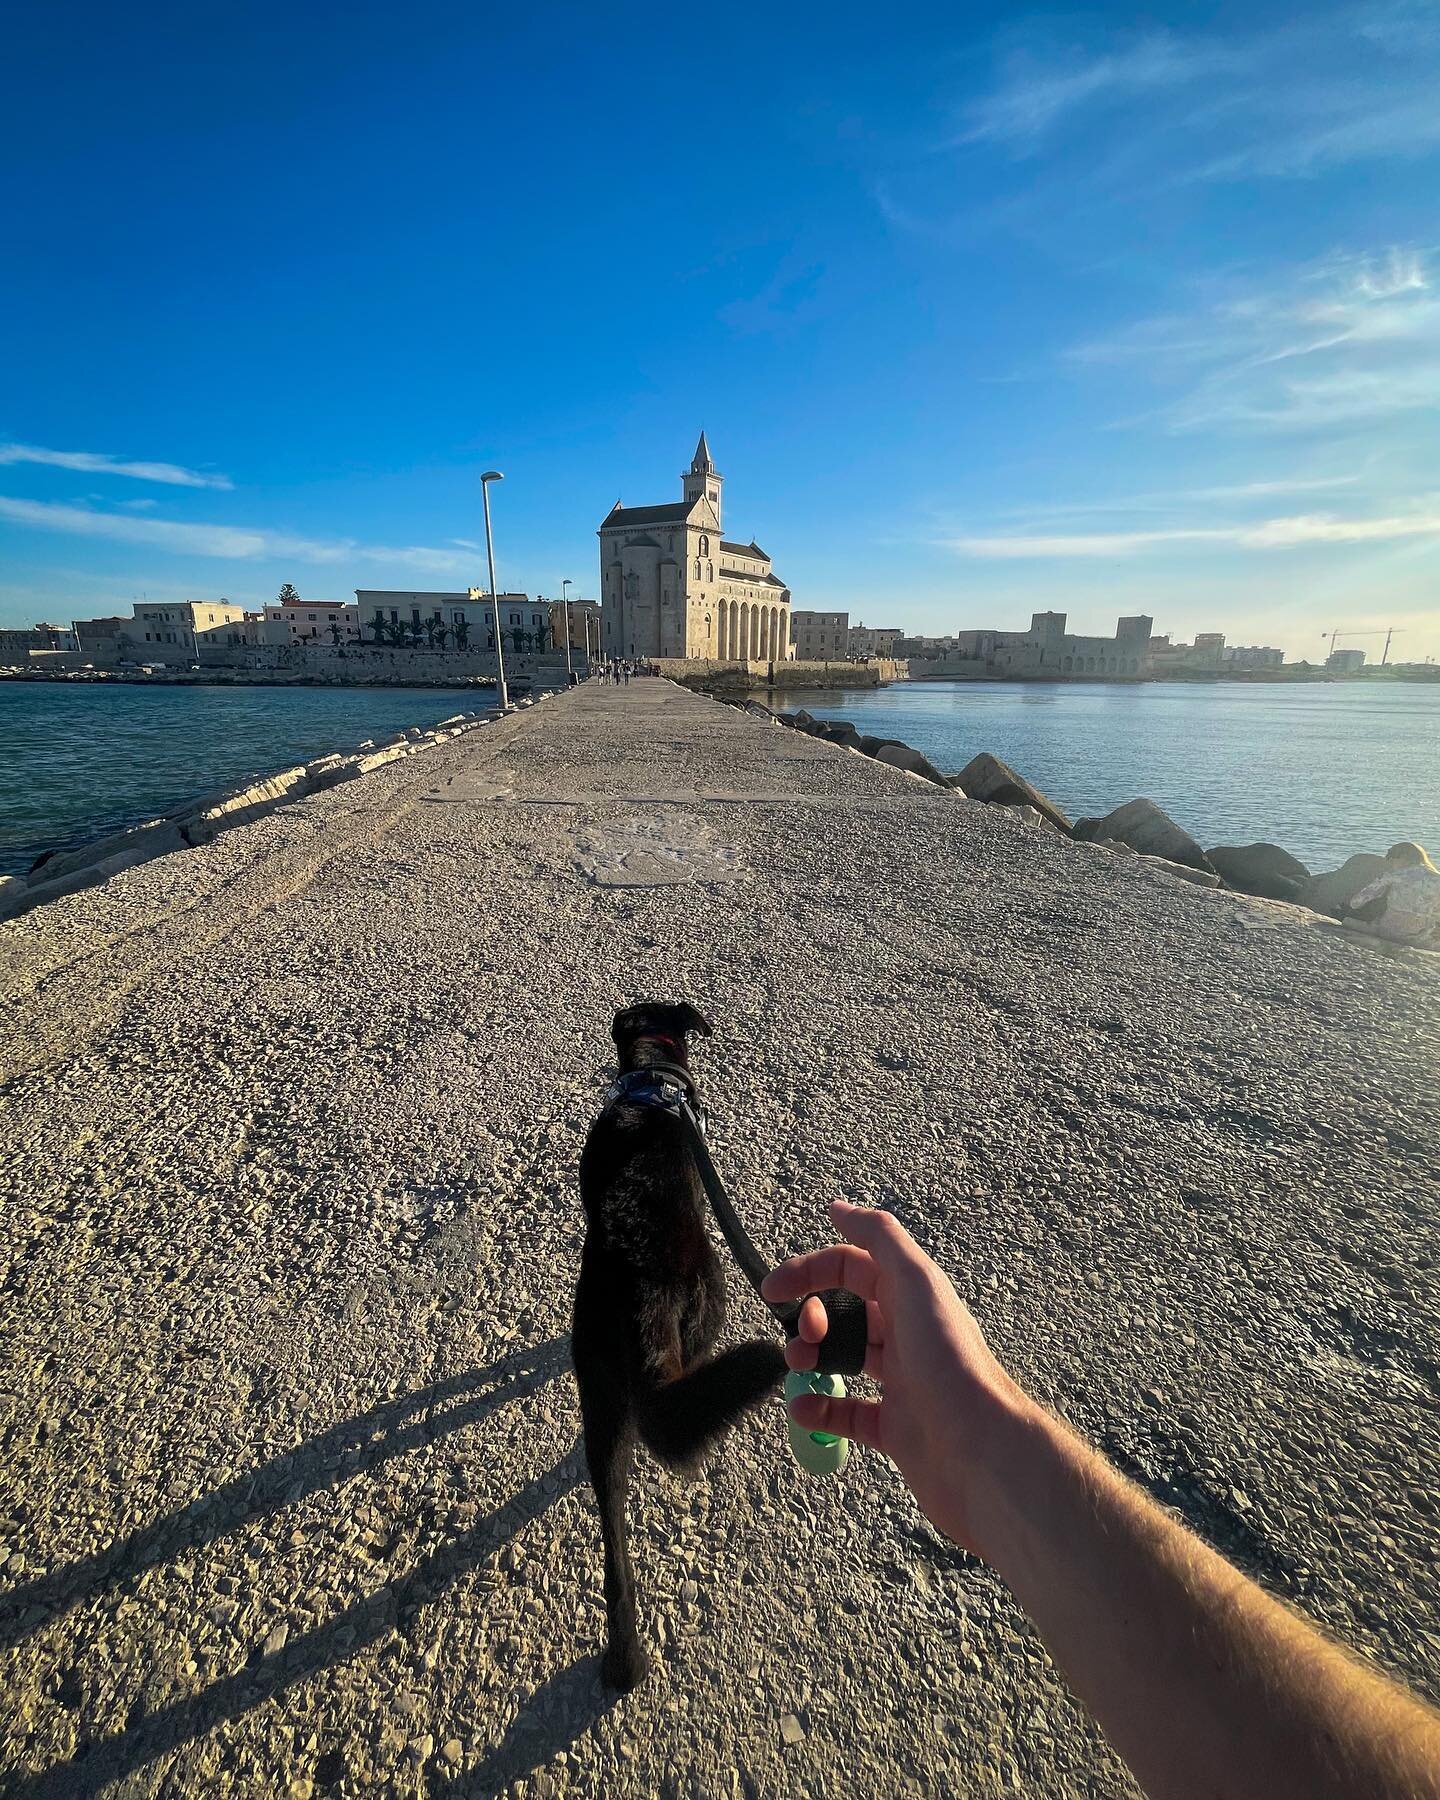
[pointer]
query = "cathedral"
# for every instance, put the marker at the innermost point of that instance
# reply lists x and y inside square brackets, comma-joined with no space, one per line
[670,585]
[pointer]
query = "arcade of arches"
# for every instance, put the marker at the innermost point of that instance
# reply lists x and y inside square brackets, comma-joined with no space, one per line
[752,632]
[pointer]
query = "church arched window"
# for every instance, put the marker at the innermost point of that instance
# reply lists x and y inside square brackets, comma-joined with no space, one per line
[704,545]
[710,574]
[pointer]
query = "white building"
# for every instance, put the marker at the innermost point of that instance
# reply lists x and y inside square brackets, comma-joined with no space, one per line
[465,620]
[671,586]
[333,622]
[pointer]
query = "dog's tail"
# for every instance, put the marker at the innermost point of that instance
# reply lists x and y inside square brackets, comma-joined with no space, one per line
[681,1419]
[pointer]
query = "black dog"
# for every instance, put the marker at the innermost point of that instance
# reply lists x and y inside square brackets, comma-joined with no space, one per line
[649,1305]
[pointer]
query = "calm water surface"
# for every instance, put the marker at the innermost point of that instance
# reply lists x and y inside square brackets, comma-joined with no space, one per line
[77,761]
[1325,770]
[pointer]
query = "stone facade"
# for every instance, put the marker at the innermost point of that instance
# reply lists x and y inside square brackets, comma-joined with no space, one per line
[1047,650]
[873,640]
[174,633]
[671,586]
[820,636]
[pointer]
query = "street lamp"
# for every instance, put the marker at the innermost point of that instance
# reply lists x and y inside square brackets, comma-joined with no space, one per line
[501,692]
[565,587]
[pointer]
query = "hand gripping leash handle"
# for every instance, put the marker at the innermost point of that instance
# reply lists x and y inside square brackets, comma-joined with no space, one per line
[841,1351]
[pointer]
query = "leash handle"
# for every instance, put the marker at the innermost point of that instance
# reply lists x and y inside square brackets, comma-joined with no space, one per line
[847,1337]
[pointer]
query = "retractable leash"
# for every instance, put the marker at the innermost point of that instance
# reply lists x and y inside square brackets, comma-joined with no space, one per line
[671,1088]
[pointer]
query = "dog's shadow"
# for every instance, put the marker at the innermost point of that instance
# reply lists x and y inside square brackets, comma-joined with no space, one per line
[563,1707]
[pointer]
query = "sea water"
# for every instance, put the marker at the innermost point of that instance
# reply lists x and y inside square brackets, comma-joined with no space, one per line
[1323,768]
[78,760]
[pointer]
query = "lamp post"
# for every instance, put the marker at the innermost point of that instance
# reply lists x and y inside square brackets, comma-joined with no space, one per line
[501,692]
[565,587]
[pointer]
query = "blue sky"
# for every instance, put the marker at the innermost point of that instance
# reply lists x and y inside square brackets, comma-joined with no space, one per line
[982,310]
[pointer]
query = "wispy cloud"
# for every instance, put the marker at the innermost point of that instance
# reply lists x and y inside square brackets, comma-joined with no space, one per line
[1168,500]
[93,462]
[1301,531]
[1037,94]
[1348,341]
[235,542]
[1288,102]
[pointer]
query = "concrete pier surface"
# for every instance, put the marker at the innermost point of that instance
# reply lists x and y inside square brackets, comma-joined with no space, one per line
[290,1492]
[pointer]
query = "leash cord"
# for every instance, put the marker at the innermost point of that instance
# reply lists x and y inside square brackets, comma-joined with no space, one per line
[842,1349]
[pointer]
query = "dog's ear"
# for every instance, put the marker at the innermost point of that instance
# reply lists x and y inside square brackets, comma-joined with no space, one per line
[691,1020]
[626,1023]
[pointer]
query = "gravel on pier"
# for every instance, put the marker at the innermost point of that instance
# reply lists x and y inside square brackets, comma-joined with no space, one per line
[290,1494]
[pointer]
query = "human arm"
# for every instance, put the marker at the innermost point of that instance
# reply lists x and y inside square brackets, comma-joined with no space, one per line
[1204,1684]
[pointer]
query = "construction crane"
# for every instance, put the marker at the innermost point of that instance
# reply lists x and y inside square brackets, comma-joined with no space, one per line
[1391,631]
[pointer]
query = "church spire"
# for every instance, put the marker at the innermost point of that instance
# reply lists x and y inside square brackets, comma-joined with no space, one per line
[702,480]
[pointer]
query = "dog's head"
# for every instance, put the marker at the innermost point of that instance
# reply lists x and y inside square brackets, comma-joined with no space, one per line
[656,1030]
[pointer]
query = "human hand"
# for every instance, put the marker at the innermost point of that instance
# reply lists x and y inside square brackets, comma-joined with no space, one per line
[946,1398]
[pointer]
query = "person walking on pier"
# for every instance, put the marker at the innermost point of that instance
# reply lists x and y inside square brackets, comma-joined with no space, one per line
[1202,1682]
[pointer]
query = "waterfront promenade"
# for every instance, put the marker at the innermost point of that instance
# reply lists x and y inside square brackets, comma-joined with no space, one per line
[290,1493]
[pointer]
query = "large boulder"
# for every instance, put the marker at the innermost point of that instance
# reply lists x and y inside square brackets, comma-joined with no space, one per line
[985,777]
[901,756]
[1150,830]
[1332,892]
[14,894]
[1261,869]
[838,731]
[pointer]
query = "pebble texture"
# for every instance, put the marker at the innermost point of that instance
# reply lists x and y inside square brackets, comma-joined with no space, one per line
[290,1493]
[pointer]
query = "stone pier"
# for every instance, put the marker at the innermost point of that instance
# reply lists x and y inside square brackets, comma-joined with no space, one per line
[290,1495]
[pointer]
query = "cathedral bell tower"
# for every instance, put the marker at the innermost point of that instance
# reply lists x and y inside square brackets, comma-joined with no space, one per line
[703,478]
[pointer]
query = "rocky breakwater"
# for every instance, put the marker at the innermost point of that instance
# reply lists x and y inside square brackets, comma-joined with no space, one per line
[1394,898]
[61,872]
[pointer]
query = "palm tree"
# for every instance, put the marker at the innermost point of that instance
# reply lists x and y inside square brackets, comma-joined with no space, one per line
[334,630]
[462,633]
[441,633]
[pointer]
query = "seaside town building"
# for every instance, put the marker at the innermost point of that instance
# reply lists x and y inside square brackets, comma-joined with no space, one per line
[16,644]
[820,636]
[1253,656]
[867,641]
[1047,651]
[582,619]
[99,640]
[311,622]
[466,619]
[173,633]
[1345,662]
[671,586]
